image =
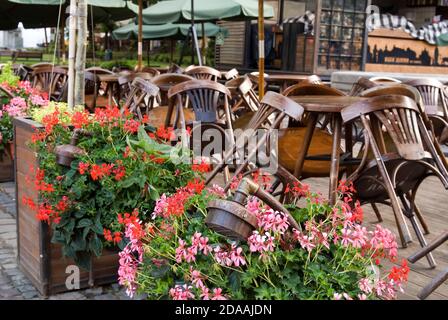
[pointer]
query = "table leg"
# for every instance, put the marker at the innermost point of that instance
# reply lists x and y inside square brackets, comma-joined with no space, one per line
[335,158]
[311,125]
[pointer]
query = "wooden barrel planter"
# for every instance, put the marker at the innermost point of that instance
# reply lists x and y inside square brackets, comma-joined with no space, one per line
[40,260]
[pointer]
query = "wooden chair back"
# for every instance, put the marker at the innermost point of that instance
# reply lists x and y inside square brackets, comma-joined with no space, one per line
[243,87]
[203,96]
[41,64]
[92,87]
[150,70]
[231,74]
[125,82]
[170,79]
[203,73]
[141,98]
[275,104]
[414,94]
[22,71]
[361,85]
[52,80]
[431,91]
[174,68]
[400,117]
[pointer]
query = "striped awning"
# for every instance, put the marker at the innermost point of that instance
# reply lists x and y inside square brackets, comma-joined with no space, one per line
[428,33]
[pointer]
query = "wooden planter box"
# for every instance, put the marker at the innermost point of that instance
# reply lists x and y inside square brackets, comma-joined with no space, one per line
[38,258]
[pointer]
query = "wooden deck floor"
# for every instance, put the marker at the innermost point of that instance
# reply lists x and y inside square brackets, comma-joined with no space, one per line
[432,199]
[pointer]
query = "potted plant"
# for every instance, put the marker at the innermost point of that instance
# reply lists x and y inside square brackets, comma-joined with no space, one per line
[17,99]
[332,256]
[81,207]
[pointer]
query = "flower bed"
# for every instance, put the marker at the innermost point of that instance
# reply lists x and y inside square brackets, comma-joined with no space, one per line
[116,179]
[176,256]
[23,101]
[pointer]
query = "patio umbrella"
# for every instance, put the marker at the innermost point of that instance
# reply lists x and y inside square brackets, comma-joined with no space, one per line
[179,11]
[31,16]
[44,13]
[168,30]
[184,11]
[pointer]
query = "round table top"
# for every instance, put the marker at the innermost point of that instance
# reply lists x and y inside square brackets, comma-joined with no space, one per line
[326,104]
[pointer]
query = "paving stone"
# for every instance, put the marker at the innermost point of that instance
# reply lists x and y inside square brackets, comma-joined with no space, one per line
[106,297]
[9,293]
[9,266]
[116,287]
[94,291]
[7,222]
[68,296]
[26,288]
[30,294]
[7,228]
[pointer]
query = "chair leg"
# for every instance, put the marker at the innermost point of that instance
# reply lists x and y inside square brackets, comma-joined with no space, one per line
[409,213]
[377,212]
[433,285]
[418,213]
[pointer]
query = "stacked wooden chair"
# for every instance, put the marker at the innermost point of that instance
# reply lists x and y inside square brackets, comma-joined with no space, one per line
[361,85]
[436,105]
[141,99]
[272,111]
[413,93]
[245,100]
[159,115]
[391,170]
[150,70]
[231,74]
[52,80]
[203,97]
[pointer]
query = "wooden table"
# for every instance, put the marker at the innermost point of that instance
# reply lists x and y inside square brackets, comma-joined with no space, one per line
[333,105]
[111,81]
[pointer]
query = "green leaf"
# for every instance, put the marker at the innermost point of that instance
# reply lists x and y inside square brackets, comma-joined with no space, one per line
[85,232]
[58,237]
[70,226]
[96,245]
[84,223]
[153,193]
[80,243]
[97,227]
[235,280]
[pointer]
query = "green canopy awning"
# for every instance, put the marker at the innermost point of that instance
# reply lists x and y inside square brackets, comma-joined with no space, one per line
[179,11]
[168,30]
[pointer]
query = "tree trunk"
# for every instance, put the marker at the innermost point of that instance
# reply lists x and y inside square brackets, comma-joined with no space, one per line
[80,63]
[72,54]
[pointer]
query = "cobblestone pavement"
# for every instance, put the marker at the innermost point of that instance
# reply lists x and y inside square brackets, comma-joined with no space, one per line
[14,285]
